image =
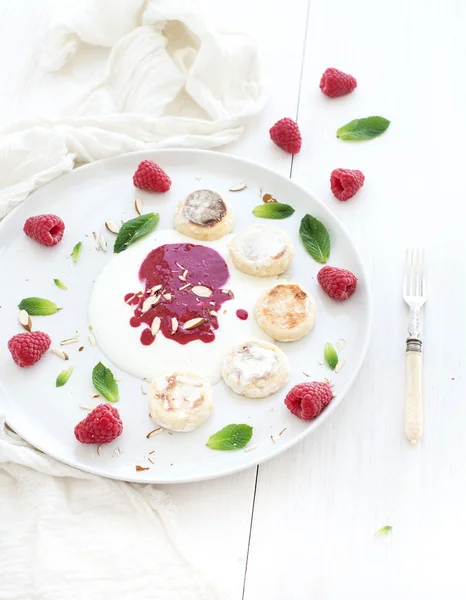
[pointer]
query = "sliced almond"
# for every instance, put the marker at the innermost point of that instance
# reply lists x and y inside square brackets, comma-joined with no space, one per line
[150,460]
[267,198]
[238,187]
[117,451]
[59,353]
[117,377]
[99,450]
[139,468]
[138,206]
[249,448]
[185,273]
[112,226]
[25,320]
[91,338]
[86,407]
[94,395]
[143,389]
[202,291]
[149,303]
[341,344]
[155,327]
[102,242]
[178,265]
[212,303]
[154,432]
[339,366]
[174,325]
[167,296]
[194,323]
[283,431]
[213,313]
[156,288]
[67,341]
[273,439]
[97,245]
[183,287]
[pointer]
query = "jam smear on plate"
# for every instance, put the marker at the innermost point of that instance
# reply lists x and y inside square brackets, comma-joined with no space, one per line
[242,314]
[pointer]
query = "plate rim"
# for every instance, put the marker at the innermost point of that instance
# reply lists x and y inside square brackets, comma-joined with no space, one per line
[299,437]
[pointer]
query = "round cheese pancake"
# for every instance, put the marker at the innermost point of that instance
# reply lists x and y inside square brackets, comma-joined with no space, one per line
[261,250]
[180,401]
[204,215]
[286,312]
[255,369]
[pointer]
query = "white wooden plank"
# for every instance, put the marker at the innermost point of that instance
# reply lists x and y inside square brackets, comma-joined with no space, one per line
[318,506]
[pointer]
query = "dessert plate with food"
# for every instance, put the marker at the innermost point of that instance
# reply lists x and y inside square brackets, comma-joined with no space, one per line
[176,315]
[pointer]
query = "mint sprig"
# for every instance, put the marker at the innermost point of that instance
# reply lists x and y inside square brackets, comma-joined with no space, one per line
[231,437]
[384,530]
[60,284]
[363,129]
[38,307]
[315,238]
[135,229]
[76,251]
[330,355]
[64,376]
[273,210]
[105,383]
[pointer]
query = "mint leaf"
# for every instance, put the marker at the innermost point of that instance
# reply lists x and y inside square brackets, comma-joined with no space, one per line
[76,251]
[64,376]
[231,437]
[273,210]
[330,355]
[38,307]
[104,382]
[384,530]
[363,129]
[315,238]
[134,230]
[60,284]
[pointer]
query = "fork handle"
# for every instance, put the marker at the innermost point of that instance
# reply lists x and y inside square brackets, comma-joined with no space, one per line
[413,402]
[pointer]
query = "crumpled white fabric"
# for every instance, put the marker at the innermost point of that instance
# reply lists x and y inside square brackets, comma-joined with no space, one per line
[69,535]
[172,80]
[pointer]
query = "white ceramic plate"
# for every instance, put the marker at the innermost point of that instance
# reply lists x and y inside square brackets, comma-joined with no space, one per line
[45,415]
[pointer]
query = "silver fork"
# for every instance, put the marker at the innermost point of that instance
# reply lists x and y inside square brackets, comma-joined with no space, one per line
[415,296]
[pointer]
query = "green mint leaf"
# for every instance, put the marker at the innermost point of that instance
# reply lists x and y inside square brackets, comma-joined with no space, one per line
[64,376]
[273,210]
[76,251]
[384,530]
[134,230]
[231,437]
[38,307]
[315,237]
[330,355]
[104,382]
[60,284]
[363,129]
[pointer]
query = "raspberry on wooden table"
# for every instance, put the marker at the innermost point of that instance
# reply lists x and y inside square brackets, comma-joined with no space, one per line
[335,83]
[46,229]
[345,183]
[101,426]
[28,348]
[339,284]
[307,400]
[151,178]
[285,133]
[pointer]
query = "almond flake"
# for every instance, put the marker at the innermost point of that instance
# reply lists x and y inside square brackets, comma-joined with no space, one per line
[150,460]
[118,378]
[138,205]
[91,338]
[152,452]
[341,344]
[99,450]
[306,374]
[112,226]
[154,432]
[167,296]
[181,278]
[149,303]
[81,348]
[86,407]
[319,362]
[327,381]
[198,177]
[183,287]
[267,198]
[178,265]
[238,187]
[213,313]
[212,303]
[202,291]
[25,320]
[339,366]
[67,341]
[139,468]
[59,353]
[143,390]
[283,431]
[194,323]
[249,448]
[103,242]
[97,245]
[156,288]
[272,438]
[174,325]
[185,273]
[117,451]
[94,395]
[155,326]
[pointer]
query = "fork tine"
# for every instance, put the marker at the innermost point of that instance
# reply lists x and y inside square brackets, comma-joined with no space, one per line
[407,268]
[417,273]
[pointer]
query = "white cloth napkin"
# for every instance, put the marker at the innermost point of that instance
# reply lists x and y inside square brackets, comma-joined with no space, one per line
[172,80]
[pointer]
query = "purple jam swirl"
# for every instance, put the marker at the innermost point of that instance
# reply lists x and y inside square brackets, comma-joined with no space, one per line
[174,266]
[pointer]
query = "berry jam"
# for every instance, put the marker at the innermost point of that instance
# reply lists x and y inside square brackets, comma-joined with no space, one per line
[178,268]
[242,314]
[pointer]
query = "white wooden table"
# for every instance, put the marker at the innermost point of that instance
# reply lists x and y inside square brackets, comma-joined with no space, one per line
[301,527]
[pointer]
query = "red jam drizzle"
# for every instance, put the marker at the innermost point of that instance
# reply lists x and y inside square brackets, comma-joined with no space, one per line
[242,314]
[178,268]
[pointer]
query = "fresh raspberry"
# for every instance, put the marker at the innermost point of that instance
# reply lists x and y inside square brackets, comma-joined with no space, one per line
[151,177]
[285,133]
[307,400]
[335,83]
[45,229]
[27,348]
[101,426]
[339,284]
[345,183]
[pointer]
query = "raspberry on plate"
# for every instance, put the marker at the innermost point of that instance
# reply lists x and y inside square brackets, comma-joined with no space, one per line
[335,83]
[285,133]
[101,426]
[46,229]
[339,284]
[151,178]
[345,183]
[28,348]
[307,400]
